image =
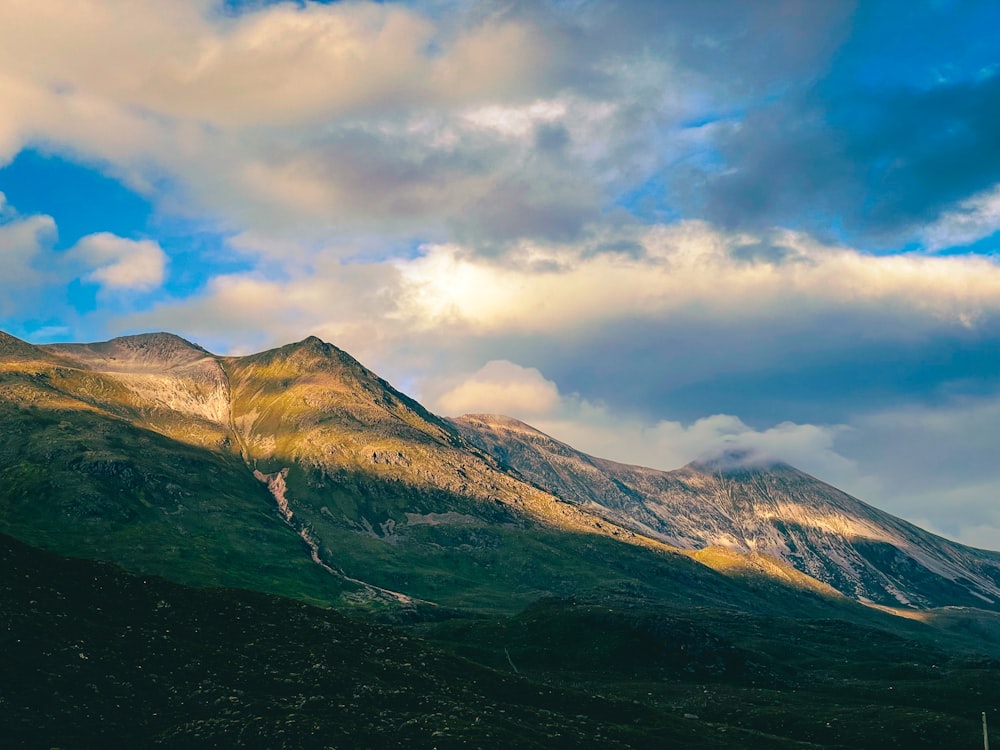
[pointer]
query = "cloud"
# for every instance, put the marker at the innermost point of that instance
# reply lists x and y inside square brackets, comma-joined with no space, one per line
[877,163]
[26,257]
[689,267]
[936,464]
[483,122]
[694,319]
[120,264]
[501,387]
[972,219]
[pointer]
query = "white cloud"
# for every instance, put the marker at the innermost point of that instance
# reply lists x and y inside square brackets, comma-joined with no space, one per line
[501,387]
[25,255]
[683,267]
[973,219]
[117,263]
[308,119]
[669,444]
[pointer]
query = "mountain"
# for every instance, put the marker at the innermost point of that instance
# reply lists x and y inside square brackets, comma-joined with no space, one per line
[294,471]
[741,504]
[282,550]
[299,471]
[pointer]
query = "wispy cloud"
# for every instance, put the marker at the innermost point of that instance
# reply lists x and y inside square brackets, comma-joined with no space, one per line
[973,219]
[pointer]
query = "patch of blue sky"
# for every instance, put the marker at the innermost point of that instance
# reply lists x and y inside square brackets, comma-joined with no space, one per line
[80,199]
[83,201]
[703,119]
[197,255]
[195,258]
[648,201]
[985,246]
[918,45]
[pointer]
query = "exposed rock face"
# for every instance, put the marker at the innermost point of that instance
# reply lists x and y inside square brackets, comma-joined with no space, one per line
[165,376]
[765,508]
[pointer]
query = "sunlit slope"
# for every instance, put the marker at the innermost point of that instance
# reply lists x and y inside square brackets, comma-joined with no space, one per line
[82,472]
[733,511]
[122,451]
[298,470]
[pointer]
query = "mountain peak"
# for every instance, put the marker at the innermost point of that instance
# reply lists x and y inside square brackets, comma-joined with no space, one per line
[736,458]
[492,421]
[140,352]
[12,347]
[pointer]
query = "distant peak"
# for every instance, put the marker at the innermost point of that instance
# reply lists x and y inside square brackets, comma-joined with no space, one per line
[310,352]
[7,339]
[310,344]
[11,345]
[498,420]
[736,458]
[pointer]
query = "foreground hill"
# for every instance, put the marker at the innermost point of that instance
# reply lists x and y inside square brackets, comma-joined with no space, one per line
[96,657]
[99,658]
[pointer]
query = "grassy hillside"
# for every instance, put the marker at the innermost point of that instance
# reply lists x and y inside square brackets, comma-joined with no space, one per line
[97,658]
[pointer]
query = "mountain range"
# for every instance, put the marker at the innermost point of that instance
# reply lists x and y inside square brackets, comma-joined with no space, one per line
[299,473]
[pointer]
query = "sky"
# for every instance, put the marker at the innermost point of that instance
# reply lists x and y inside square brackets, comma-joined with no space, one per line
[652,230]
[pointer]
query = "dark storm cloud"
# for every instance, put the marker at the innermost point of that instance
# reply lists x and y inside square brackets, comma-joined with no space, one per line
[878,165]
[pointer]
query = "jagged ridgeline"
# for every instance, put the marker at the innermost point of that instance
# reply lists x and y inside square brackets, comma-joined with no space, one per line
[298,471]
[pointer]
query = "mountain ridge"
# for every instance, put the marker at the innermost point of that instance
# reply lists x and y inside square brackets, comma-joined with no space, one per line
[384,493]
[749,507]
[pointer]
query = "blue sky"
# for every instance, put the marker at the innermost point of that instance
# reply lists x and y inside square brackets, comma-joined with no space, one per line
[651,229]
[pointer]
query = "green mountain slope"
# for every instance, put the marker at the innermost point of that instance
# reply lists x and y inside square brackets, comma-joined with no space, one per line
[298,471]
